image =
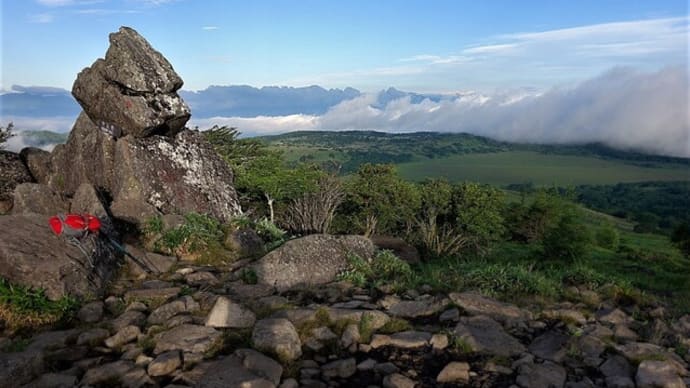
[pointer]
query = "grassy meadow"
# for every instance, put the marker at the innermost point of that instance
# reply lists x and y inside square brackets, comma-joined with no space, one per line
[504,168]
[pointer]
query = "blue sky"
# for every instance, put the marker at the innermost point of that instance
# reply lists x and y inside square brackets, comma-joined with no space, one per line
[423,46]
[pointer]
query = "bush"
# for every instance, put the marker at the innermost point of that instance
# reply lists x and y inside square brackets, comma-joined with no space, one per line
[314,211]
[567,240]
[385,268]
[607,236]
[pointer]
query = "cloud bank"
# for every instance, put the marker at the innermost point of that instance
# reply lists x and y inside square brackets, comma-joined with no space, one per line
[623,108]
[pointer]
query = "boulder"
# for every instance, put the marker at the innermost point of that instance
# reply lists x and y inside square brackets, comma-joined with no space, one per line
[653,373]
[279,337]
[225,372]
[12,173]
[312,260]
[133,91]
[38,163]
[34,198]
[245,242]
[475,304]
[31,255]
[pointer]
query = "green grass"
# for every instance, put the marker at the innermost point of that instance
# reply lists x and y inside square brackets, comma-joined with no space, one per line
[24,308]
[504,168]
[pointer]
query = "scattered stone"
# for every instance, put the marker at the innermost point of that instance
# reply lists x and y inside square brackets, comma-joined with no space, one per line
[152,295]
[651,374]
[450,315]
[277,336]
[93,337]
[107,373]
[550,346]
[22,367]
[244,242]
[454,372]
[624,334]
[566,315]
[340,368]
[53,380]
[617,366]
[165,364]
[396,380]
[226,372]
[547,374]
[613,317]
[404,340]
[351,335]
[123,336]
[91,312]
[366,365]
[128,318]
[187,338]
[228,314]
[486,336]
[260,364]
[201,279]
[416,309]
[475,304]
[163,314]
[439,341]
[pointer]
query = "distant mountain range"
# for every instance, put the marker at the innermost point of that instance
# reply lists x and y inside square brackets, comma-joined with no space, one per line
[214,101]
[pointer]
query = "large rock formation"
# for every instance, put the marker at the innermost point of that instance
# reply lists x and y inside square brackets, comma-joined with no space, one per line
[129,141]
[312,260]
[133,91]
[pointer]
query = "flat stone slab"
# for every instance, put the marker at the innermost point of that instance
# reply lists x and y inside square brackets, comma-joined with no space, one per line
[187,338]
[486,336]
[475,304]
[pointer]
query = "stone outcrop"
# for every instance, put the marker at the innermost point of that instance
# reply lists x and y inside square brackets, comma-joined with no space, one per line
[12,173]
[30,254]
[310,260]
[133,91]
[130,141]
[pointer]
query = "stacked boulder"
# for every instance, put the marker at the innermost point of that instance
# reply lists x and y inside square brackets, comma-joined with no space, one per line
[129,146]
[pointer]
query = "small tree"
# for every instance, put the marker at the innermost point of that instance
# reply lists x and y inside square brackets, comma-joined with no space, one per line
[6,134]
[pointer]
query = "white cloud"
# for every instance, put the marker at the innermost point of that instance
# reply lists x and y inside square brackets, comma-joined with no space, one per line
[41,18]
[622,108]
[209,28]
[55,3]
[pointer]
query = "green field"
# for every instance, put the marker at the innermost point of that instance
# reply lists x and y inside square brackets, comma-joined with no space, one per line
[504,168]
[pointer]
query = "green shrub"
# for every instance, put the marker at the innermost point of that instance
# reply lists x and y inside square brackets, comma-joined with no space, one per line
[199,233]
[385,268]
[607,236]
[26,308]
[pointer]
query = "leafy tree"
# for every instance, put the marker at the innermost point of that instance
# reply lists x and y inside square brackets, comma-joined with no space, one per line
[379,201]
[456,218]
[261,173]
[6,134]
[478,213]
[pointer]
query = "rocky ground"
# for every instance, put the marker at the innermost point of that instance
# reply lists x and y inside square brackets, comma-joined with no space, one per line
[206,327]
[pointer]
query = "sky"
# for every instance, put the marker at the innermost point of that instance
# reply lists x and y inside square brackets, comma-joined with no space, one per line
[424,46]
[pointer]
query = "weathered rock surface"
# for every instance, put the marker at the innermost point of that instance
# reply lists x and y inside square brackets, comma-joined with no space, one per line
[133,90]
[244,242]
[226,372]
[35,198]
[187,338]
[475,304]
[12,173]
[311,260]
[172,175]
[31,255]
[38,163]
[229,314]
[651,374]
[398,246]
